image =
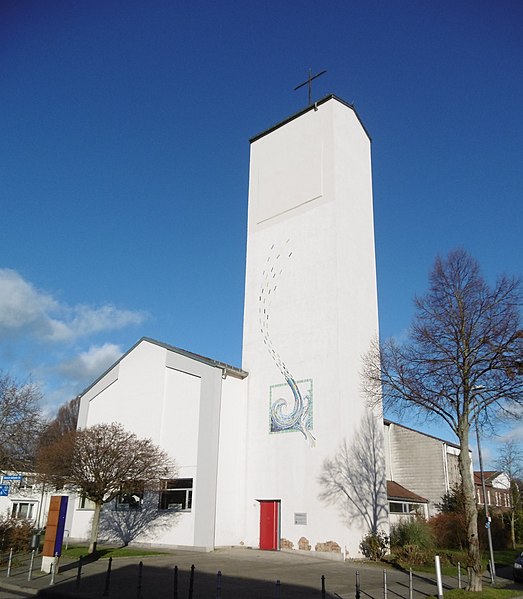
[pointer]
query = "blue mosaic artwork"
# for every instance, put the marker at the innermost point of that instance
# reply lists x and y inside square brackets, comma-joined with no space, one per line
[290,403]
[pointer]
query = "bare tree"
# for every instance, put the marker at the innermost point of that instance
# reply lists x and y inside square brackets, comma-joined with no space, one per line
[354,478]
[510,462]
[108,460]
[56,446]
[461,363]
[63,423]
[20,423]
[54,460]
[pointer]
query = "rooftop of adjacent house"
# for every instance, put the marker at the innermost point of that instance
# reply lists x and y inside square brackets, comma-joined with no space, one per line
[399,492]
[308,109]
[227,369]
[388,422]
[490,476]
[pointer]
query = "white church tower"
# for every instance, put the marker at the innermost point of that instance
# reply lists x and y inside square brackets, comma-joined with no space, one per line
[310,314]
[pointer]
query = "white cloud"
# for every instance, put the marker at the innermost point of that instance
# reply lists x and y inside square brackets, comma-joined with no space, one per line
[515,433]
[82,321]
[25,310]
[90,364]
[22,307]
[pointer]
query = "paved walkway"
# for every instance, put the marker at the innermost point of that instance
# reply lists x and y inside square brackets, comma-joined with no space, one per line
[246,573]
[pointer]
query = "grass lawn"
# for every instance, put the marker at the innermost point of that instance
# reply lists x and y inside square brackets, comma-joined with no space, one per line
[107,552]
[505,557]
[486,593]
[502,558]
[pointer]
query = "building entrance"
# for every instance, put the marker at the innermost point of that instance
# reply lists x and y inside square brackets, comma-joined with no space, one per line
[270,524]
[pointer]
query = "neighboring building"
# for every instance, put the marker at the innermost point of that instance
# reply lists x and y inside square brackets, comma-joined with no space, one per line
[21,497]
[425,465]
[497,487]
[404,503]
[251,449]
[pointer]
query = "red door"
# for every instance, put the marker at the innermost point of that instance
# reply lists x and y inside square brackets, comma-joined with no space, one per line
[270,524]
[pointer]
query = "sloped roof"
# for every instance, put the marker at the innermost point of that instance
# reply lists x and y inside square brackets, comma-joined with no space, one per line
[388,422]
[313,106]
[232,370]
[227,368]
[490,476]
[399,492]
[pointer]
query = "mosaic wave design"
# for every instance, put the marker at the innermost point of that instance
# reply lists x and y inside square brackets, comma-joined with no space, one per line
[284,415]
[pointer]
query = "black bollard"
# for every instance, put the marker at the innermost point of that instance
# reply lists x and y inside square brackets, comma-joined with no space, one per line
[175,592]
[219,585]
[358,588]
[278,589]
[322,586]
[139,588]
[191,582]
[79,572]
[107,578]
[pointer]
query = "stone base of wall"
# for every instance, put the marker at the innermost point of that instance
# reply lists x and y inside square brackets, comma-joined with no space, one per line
[328,547]
[337,557]
[303,544]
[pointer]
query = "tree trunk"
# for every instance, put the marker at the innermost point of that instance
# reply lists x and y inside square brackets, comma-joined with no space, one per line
[474,565]
[94,527]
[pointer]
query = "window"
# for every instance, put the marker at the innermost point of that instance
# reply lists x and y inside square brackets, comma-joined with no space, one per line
[22,509]
[85,504]
[396,507]
[27,483]
[176,494]
[130,498]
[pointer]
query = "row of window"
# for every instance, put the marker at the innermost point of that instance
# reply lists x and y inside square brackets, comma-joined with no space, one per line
[175,494]
[400,507]
[501,497]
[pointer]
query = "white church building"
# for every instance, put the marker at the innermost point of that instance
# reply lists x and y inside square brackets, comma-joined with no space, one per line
[251,443]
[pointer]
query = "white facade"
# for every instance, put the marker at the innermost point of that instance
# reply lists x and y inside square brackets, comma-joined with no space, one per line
[310,314]
[175,399]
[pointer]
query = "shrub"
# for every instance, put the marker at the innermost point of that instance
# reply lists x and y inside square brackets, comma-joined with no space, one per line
[449,530]
[374,545]
[15,534]
[411,555]
[499,529]
[414,533]
[412,542]
[453,502]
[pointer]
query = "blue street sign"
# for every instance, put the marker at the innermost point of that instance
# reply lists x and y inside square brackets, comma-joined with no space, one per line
[13,477]
[4,490]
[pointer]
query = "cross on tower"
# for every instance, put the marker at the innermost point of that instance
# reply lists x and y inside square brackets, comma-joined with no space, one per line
[309,82]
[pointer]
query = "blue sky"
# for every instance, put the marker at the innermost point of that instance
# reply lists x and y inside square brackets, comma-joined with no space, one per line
[124,131]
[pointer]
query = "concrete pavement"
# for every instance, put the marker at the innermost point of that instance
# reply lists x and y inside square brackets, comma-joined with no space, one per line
[245,573]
